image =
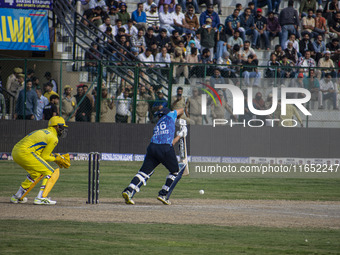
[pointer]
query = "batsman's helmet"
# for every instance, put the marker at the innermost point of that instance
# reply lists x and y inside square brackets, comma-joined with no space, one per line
[163,111]
[56,121]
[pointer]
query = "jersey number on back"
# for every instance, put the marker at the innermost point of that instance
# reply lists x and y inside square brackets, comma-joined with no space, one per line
[161,126]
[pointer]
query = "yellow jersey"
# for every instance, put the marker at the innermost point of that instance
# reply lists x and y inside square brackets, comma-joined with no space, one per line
[41,142]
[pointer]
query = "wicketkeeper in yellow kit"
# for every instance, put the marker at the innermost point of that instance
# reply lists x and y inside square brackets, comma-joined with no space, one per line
[32,153]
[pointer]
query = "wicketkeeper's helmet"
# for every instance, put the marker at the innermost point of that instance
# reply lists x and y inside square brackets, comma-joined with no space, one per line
[60,123]
[56,121]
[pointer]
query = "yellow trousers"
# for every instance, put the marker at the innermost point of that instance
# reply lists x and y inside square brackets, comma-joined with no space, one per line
[34,165]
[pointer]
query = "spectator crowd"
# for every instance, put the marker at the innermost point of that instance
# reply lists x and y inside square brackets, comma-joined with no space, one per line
[168,31]
[160,32]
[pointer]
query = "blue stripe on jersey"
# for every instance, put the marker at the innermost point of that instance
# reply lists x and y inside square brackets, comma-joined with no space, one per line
[41,143]
[164,131]
[43,162]
[42,147]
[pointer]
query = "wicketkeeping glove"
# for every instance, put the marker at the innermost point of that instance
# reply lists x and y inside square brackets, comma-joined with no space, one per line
[63,161]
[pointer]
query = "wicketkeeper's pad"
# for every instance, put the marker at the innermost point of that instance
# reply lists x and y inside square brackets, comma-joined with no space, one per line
[50,183]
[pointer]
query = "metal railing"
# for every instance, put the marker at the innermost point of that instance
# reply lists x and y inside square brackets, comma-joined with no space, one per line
[84,37]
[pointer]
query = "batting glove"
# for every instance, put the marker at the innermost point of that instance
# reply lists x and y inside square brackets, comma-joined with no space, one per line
[181,122]
[183,132]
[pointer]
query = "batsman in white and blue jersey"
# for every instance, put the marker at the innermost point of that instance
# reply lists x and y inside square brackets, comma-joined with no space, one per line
[159,151]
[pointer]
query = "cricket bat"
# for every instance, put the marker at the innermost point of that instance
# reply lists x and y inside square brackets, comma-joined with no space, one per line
[183,154]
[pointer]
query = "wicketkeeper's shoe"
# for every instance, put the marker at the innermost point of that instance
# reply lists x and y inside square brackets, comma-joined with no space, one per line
[44,201]
[164,200]
[16,200]
[128,197]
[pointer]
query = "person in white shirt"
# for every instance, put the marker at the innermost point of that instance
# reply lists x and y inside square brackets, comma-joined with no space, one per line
[147,58]
[307,61]
[116,27]
[295,42]
[163,57]
[246,51]
[224,63]
[130,29]
[147,5]
[166,19]
[41,103]
[82,5]
[179,19]
[328,91]
[164,60]
[94,3]
[106,24]
[123,107]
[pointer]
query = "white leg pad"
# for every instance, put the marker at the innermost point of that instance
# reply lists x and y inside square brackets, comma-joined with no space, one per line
[134,187]
[166,188]
[141,178]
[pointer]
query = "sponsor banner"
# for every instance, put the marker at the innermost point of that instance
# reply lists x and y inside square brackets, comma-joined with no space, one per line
[235,160]
[24,30]
[5,156]
[138,157]
[280,161]
[72,156]
[336,161]
[258,160]
[205,159]
[200,159]
[318,161]
[27,4]
[300,161]
[179,158]
[328,161]
[80,156]
[117,157]
[272,160]
[290,161]
[321,161]
[314,161]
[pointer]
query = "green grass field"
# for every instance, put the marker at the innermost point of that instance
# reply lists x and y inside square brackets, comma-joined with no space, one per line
[115,176]
[58,237]
[69,237]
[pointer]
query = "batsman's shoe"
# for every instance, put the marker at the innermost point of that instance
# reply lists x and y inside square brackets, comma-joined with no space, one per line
[44,201]
[16,200]
[128,197]
[164,200]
